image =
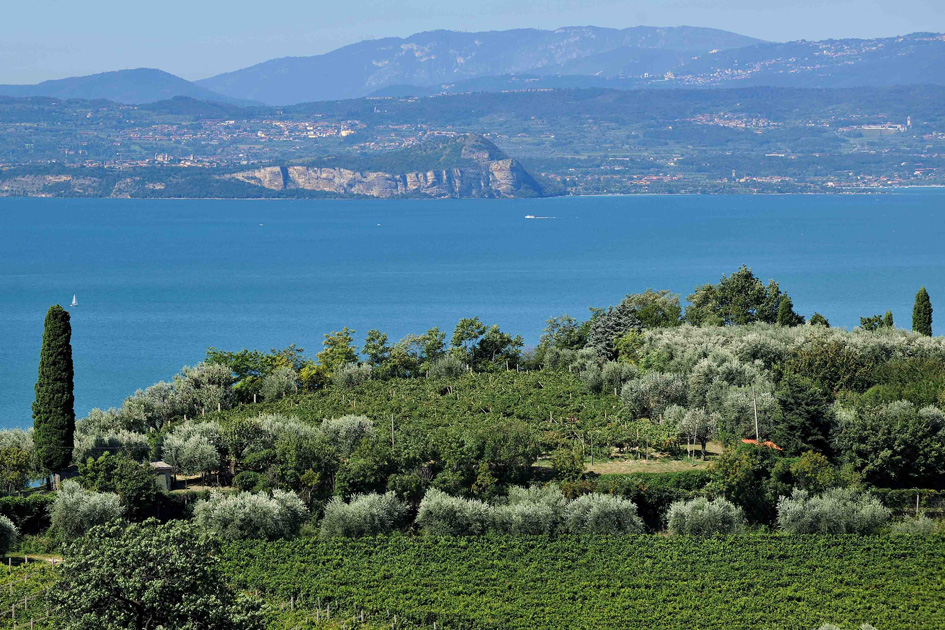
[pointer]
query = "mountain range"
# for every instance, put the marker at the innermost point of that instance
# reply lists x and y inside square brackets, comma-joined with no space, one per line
[442,62]
[141,85]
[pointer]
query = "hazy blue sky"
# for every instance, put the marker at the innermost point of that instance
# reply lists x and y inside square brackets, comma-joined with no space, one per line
[45,39]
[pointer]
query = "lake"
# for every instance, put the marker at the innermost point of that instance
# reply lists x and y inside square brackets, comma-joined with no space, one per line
[158,282]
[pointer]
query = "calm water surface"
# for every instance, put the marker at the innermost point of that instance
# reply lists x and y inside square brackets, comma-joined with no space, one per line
[160,281]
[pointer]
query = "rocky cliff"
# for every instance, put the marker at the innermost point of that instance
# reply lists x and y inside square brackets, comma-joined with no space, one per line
[466,166]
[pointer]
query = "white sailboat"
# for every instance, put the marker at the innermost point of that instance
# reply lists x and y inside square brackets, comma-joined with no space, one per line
[74,303]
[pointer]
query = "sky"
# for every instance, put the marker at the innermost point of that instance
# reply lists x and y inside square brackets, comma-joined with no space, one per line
[51,39]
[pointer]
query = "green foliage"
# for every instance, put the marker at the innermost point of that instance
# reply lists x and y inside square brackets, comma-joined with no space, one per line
[147,576]
[531,511]
[132,482]
[877,322]
[251,516]
[607,326]
[30,513]
[446,367]
[786,314]
[607,581]
[744,476]
[365,515]
[564,333]
[738,299]
[702,517]
[251,367]
[16,467]
[375,350]
[53,409]
[567,464]
[602,514]
[922,313]
[837,511]
[919,380]
[443,515]
[338,352]
[895,444]
[194,448]
[921,525]
[806,417]
[8,535]
[819,320]
[653,493]
[75,511]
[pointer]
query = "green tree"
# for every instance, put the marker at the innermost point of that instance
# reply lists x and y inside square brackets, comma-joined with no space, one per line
[922,313]
[147,576]
[877,322]
[339,351]
[806,418]
[466,336]
[53,409]
[375,347]
[131,481]
[563,332]
[656,309]
[819,320]
[16,464]
[786,314]
[738,299]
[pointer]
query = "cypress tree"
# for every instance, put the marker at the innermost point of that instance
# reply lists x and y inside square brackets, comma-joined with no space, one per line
[922,313]
[888,320]
[53,409]
[786,314]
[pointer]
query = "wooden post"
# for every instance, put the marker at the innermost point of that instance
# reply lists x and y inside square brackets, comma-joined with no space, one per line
[917,505]
[392,430]
[754,403]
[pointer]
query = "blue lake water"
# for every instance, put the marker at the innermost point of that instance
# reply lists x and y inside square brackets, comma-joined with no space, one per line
[160,281]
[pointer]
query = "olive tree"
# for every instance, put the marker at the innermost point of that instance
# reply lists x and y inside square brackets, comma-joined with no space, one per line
[75,510]
[365,515]
[602,514]
[702,517]
[251,516]
[837,511]
[443,515]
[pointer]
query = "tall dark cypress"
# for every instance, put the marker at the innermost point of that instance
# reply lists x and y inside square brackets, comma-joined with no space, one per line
[54,407]
[922,313]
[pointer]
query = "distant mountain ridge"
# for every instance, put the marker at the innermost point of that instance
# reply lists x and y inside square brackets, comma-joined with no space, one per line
[450,62]
[140,85]
[446,56]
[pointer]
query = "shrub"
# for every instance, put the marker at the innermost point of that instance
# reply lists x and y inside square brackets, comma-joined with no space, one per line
[837,511]
[279,383]
[701,517]
[250,481]
[365,515]
[567,464]
[447,367]
[256,516]
[131,481]
[352,375]
[30,514]
[921,525]
[535,510]
[75,510]
[443,515]
[8,535]
[653,493]
[602,514]
[346,433]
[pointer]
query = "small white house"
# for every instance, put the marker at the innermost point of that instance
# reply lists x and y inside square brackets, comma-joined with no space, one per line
[163,475]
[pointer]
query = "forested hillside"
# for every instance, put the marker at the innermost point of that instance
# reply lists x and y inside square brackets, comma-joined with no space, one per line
[723,461]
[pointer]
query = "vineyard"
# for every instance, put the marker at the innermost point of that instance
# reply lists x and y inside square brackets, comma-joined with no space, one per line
[754,581]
